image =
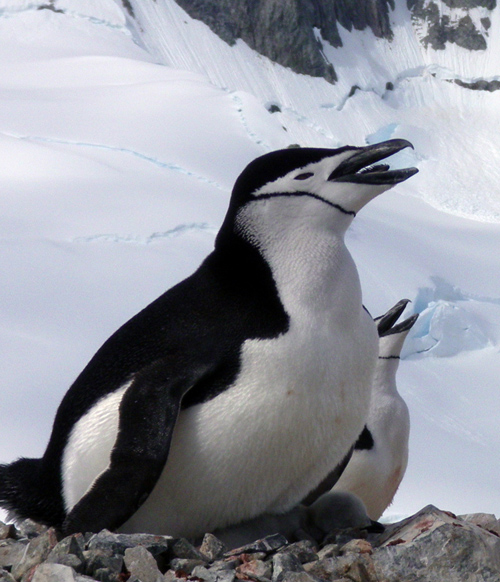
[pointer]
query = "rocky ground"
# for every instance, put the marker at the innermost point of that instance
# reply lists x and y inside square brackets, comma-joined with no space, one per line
[432,545]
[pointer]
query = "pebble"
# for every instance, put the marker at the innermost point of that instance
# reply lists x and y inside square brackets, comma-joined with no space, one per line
[141,564]
[53,573]
[212,548]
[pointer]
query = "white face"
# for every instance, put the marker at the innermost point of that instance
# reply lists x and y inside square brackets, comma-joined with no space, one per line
[312,180]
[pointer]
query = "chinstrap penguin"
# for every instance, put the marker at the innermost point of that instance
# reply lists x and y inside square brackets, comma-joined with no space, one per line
[380,455]
[237,391]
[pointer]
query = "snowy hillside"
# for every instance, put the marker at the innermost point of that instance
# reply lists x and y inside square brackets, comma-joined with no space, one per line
[120,140]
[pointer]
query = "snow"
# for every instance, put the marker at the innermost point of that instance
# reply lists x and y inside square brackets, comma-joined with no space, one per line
[119,144]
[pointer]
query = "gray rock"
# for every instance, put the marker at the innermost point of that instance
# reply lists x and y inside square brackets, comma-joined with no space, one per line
[181,548]
[304,551]
[212,548]
[103,567]
[53,573]
[7,531]
[487,521]
[6,576]
[299,577]
[441,29]
[254,570]
[35,552]
[433,546]
[141,564]
[69,552]
[329,551]
[266,545]
[284,31]
[31,529]
[227,564]
[184,565]
[108,543]
[118,543]
[11,552]
[205,574]
[284,563]
[325,569]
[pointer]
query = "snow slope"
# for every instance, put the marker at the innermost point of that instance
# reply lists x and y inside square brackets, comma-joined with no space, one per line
[119,143]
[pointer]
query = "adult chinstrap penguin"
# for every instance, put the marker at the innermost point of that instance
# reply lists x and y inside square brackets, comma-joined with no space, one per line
[237,391]
[380,455]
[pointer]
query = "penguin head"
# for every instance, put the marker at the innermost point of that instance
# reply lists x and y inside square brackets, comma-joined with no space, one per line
[338,510]
[343,179]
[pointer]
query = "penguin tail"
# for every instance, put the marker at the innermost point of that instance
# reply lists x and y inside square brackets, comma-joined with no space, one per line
[25,493]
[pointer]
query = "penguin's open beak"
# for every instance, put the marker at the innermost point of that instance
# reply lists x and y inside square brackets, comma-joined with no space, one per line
[386,322]
[359,168]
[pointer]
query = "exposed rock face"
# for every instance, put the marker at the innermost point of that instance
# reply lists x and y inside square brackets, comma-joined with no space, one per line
[289,32]
[283,30]
[431,546]
[460,30]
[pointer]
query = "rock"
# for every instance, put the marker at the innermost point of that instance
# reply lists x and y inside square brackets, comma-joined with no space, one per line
[109,544]
[11,552]
[7,531]
[35,552]
[433,546]
[299,577]
[487,521]
[6,576]
[31,529]
[212,548]
[181,548]
[283,563]
[266,545]
[141,564]
[53,573]
[304,551]
[118,543]
[106,568]
[205,574]
[185,566]
[254,570]
[69,552]
[329,551]
[323,569]
[293,23]
[464,31]
[228,563]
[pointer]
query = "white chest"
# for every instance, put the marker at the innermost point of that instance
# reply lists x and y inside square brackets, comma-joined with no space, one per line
[297,405]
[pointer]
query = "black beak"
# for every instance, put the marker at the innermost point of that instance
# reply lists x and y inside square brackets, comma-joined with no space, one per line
[386,321]
[385,324]
[359,168]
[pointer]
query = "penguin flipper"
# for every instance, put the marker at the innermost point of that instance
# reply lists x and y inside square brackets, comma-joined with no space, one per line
[329,481]
[140,451]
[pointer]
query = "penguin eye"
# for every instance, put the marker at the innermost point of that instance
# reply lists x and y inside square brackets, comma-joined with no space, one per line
[304,176]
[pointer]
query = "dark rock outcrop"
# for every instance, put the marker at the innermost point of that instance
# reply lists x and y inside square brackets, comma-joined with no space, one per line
[441,29]
[283,30]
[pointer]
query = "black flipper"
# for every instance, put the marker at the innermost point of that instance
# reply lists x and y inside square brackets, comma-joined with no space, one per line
[140,452]
[329,481]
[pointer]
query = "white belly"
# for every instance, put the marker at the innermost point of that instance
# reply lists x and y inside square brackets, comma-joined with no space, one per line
[297,406]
